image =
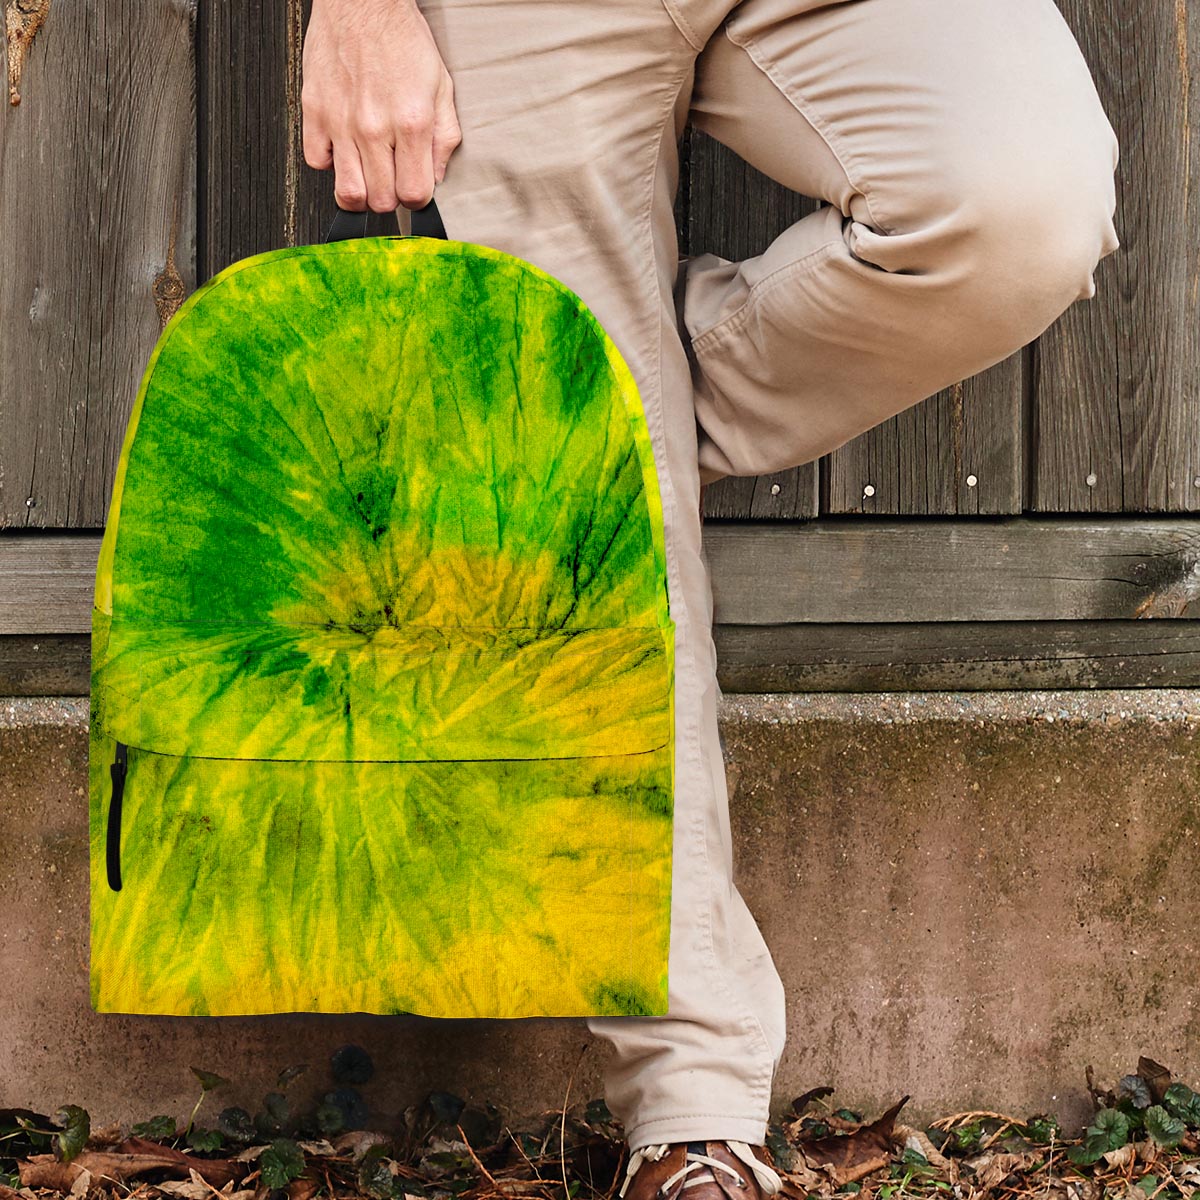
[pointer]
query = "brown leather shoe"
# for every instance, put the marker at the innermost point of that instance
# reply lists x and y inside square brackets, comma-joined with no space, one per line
[710,1170]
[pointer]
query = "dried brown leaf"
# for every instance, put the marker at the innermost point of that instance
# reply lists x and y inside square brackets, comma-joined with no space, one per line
[319,1148]
[217,1171]
[800,1103]
[917,1139]
[302,1187]
[188,1189]
[140,1157]
[1123,1156]
[356,1142]
[1157,1077]
[848,1157]
[992,1167]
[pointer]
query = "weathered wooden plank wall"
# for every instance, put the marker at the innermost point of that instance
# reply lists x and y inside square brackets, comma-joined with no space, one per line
[97,230]
[1118,379]
[1102,414]
[116,198]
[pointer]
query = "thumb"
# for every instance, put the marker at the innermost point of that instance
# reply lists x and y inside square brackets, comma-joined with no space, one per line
[447,133]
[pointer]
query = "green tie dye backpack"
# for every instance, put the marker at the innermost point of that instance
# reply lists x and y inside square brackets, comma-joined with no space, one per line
[383,664]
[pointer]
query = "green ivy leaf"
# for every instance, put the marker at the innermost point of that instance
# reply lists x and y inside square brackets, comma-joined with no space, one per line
[445,1107]
[75,1125]
[1136,1088]
[353,1106]
[157,1129]
[1112,1126]
[375,1173]
[281,1162]
[266,1126]
[1043,1129]
[966,1137]
[205,1140]
[1109,1130]
[331,1118]
[236,1125]
[1180,1101]
[33,1139]
[352,1064]
[782,1152]
[481,1125]
[1087,1152]
[1165,1129]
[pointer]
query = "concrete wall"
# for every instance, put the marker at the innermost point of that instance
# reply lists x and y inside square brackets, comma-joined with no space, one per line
[970,897]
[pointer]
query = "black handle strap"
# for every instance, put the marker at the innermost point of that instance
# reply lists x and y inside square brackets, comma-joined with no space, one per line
[426,222]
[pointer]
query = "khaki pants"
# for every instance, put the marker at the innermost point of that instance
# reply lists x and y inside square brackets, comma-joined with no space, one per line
[969,172]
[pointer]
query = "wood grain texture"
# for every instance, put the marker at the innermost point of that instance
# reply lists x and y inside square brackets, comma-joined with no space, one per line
[243,143]
[958,453]
[1117,401]
[1007,568]
[957,656]
[47,582]
[45,665]
[97,232]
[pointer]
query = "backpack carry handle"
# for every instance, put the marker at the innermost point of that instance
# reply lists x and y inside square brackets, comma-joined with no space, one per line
[426,222]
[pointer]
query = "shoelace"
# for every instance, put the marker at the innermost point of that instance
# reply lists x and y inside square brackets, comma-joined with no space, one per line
[768,1179]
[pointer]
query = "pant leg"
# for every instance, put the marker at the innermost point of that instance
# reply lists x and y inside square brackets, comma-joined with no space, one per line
[968,168]
[570,111]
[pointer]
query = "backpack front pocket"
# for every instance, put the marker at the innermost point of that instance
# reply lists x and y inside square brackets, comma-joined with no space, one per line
[503,887]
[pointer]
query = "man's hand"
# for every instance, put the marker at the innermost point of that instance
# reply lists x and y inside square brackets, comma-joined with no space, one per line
[378,103]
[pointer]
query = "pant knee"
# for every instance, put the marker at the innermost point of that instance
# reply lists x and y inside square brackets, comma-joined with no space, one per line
[1011,243]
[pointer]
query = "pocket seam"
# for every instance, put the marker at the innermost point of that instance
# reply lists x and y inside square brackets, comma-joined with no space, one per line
[681,23]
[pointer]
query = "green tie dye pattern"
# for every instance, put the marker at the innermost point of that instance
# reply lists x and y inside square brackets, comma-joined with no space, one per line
[382,616]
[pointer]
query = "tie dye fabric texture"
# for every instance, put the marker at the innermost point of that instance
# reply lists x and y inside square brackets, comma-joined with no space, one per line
[382,686]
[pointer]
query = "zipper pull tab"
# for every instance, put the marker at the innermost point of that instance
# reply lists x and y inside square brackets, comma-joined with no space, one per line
[113,845]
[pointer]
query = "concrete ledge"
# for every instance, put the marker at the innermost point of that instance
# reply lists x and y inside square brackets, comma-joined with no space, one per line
[970,896]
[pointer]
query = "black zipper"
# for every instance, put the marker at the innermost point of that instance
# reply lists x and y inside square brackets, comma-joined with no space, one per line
[117,770]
